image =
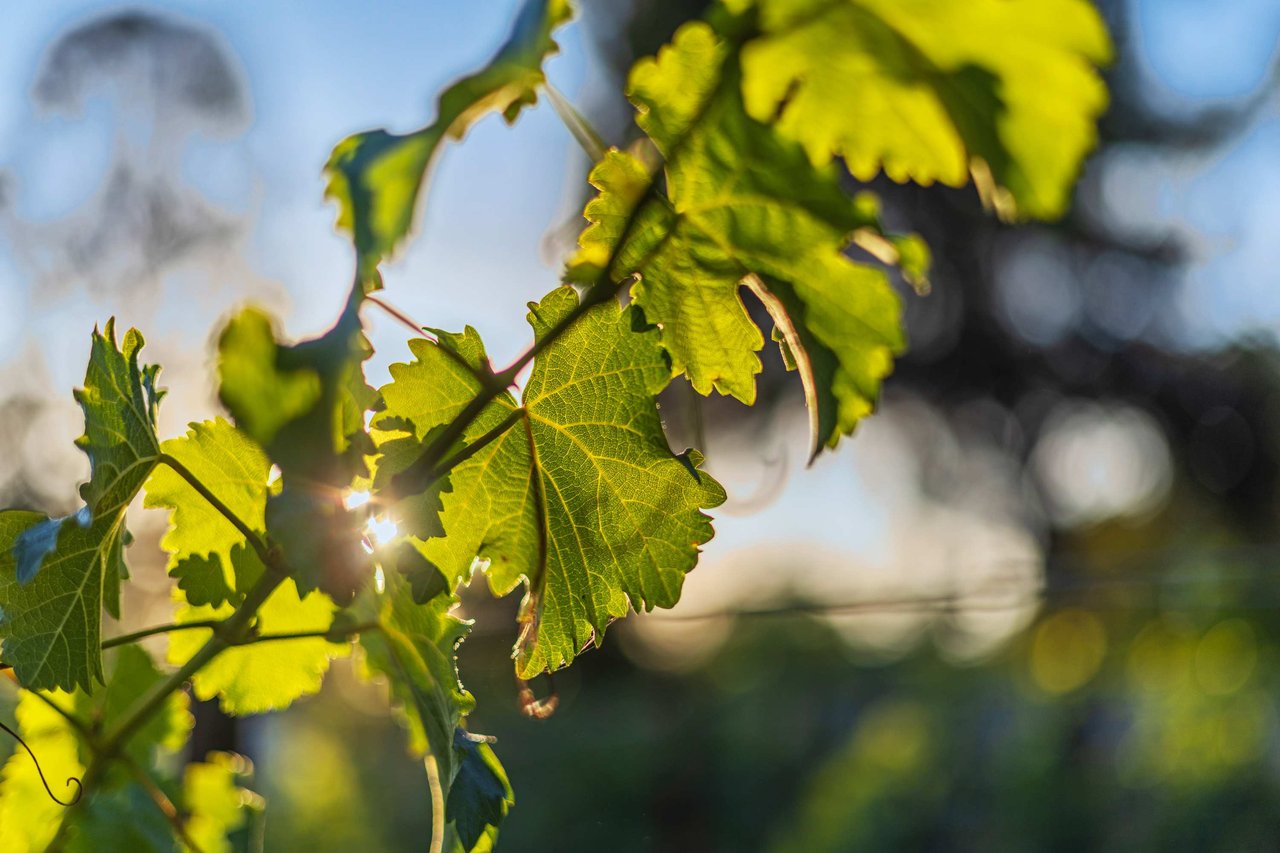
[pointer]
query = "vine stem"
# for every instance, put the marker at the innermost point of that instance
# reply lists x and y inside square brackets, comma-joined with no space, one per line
[311,635]
[483,375]
[234,628]
[576,123]
[437,802]
[125,639]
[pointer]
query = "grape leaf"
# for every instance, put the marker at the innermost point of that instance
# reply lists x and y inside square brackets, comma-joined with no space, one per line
[261,677]
[582,499]
[480,795]
[414,649]
[376,177]
[56,575]
[305,405]
[121,819]
[746,207]
[51,627]
[119,400]
[935,89]
[211,559]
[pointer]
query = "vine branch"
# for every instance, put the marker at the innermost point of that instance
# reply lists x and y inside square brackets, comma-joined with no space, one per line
[125,639]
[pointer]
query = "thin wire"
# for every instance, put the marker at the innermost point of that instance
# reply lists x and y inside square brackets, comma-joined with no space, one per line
[1019,593]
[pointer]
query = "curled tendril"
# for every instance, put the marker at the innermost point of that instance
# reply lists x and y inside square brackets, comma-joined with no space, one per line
[532,706]
[70,779]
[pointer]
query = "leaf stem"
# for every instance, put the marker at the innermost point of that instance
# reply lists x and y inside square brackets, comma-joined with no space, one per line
[256,541]
[437,802]
[309,635]
[576,123]
[125,639]
[482,375]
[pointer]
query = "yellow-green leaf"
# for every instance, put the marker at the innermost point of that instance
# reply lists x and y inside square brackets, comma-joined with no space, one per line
[268,676]
[745,208]
[582,499]
[376,177]
[936,90]
[209,556]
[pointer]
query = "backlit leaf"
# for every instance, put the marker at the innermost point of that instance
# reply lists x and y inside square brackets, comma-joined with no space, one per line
[376,177]
[263,677]
[305,404]
[582,499]
[926,90]
[56,575]
[745,208]
[211,559]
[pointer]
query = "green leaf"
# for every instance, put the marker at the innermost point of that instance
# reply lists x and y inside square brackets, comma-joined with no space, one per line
[56,575]
[926,90]
[376,177]
[480,796]
[414,649]
[119,400]
[582,499]
[51,626]
[255,388]
[211,559]
[305,405]
[259,677]
[220,810]
[122,819]
[746,208]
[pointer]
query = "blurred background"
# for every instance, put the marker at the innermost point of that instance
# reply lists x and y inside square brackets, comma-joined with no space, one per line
[1034,604]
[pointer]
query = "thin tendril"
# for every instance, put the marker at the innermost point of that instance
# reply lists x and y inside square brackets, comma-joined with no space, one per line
[43,781]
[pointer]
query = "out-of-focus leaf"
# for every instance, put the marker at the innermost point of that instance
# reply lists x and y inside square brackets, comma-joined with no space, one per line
[28,817]
[117,810]
[221,812]
[926,90]
[376,177]
[124,818]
